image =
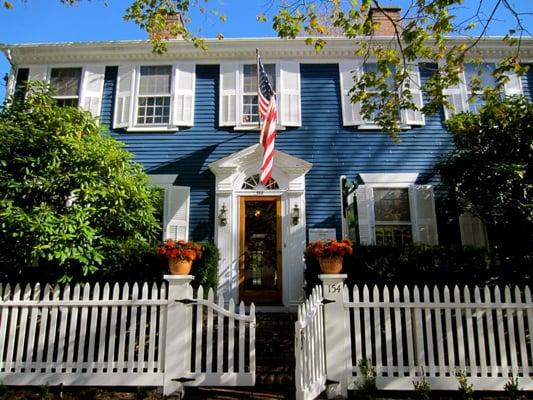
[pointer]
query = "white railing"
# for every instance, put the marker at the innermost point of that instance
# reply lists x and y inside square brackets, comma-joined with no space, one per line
[406,334]
[310,374]
[125,335]
[437,333]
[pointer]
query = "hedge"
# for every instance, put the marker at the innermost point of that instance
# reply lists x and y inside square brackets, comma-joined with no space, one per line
[426,265]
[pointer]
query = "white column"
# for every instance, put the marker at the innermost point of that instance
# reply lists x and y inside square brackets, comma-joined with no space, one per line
[177,347]
[337,331]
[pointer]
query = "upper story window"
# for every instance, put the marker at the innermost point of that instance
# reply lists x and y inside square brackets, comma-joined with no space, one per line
[238,105]
[467,95]
[153,100]
[250,112]
[66,83]
[478,77]
[392,216]
[351,70]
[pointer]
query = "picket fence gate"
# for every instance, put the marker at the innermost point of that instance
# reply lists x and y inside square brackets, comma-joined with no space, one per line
[309,347]
[124,336]
[411,333]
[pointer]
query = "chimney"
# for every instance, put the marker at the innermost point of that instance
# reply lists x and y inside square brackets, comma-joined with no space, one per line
[382,18]
[171,30]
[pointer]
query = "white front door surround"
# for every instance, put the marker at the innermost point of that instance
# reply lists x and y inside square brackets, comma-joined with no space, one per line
[289,172]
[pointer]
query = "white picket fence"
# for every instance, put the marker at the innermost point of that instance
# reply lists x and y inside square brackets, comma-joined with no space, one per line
[485,333]
[124,336]
[309,347]
[410,333]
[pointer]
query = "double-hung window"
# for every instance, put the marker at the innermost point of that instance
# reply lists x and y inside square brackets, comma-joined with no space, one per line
[352,70]
[66,83]
[250,111]
[467,95]
[153,100]
[477,78]
[238,103]
[392,217]
[391,210]
[73,86]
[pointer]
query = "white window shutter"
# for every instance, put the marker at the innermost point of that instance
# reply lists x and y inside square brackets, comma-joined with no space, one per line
[289,94]
[38,73]
[457,97]
[473,230]
[414,117]
[184,86]
[229,80]
[423,213]
[365,212]
[514,85]
[123,96]
[351,113]
[177,212]
[92,88]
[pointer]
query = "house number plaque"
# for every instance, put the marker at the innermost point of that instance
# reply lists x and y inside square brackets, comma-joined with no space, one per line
[335,288]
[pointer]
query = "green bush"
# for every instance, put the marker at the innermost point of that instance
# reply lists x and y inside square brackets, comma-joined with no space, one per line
[205,270]
[418,264]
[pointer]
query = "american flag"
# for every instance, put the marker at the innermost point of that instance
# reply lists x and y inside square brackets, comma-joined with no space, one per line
[268,112]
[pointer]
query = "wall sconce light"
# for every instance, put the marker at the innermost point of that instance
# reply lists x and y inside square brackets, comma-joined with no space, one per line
[223,216]
[295,215]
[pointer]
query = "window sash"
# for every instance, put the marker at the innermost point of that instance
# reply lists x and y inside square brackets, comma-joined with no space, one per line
[154,113]
[250,102]
[155,80]
[154,95]
[66,82]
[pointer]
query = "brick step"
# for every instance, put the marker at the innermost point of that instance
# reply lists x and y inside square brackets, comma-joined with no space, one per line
[274,346]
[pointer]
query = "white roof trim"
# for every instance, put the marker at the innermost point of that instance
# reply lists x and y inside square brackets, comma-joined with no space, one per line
[127,51]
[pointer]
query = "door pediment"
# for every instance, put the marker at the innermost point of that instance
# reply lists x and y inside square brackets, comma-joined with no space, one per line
[249,156]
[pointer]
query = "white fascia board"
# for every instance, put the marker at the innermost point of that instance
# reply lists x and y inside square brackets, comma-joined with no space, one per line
[243,48]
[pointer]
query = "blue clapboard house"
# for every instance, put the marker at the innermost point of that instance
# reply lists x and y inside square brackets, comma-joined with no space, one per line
[190,118]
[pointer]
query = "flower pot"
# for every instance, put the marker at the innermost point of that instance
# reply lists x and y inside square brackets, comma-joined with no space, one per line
[330,264]
[179,267]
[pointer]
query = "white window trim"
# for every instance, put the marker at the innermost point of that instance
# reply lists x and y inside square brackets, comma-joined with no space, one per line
[389,180]
[252,126]
[68,66]
[464,87]
[237,91]
[363,124]
[133,126]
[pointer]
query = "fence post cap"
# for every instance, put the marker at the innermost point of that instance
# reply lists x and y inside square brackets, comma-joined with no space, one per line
[178,280]
[332,279]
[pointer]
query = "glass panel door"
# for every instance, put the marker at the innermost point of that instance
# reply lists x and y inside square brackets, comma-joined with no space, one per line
[260,250]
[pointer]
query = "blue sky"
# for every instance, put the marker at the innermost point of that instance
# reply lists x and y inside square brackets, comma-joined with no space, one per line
[41,21]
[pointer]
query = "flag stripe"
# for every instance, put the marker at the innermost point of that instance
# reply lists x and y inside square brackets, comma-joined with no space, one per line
[269,114]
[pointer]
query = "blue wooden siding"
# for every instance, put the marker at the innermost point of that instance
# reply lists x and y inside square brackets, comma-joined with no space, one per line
[322,140]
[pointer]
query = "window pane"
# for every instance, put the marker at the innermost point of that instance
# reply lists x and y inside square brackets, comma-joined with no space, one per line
[153,110]
[373,67]
[66,81]
[155,80]
[393,235]
[250,77]
[391,205]
[483,71]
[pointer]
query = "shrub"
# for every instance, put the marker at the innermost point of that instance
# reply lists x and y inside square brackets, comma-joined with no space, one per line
[418,264]
[205,271]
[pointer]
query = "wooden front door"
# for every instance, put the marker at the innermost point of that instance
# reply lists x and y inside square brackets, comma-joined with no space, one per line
[260,250]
